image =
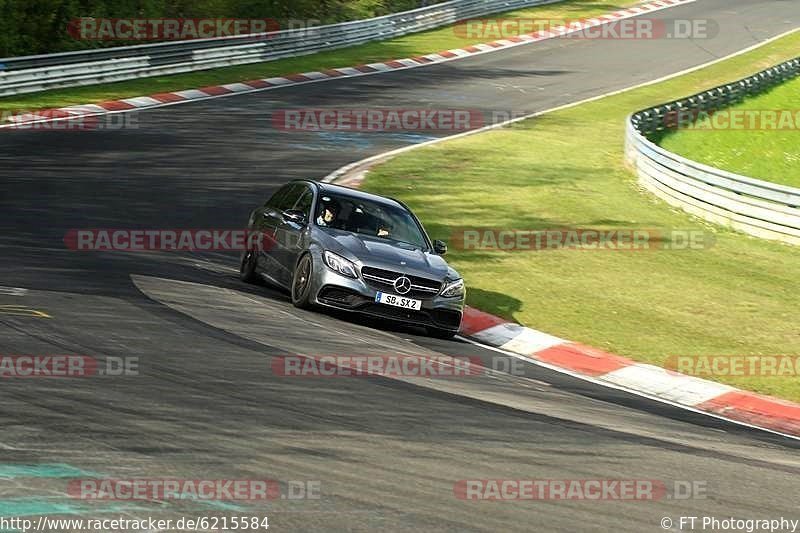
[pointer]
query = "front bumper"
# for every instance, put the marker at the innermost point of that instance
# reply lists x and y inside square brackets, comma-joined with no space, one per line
[331,289]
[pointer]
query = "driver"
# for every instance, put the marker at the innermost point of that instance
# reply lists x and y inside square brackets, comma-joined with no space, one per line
[328,213]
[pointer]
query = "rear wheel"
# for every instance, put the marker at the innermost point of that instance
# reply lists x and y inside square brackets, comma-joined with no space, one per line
[247,270]
[301,284]
[441,333]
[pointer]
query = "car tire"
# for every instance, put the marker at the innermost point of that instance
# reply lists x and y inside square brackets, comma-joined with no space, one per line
[247,269]
[301,282]
[441,333]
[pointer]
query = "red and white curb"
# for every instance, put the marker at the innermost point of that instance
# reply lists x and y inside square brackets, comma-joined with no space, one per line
[619,372]
[230,89]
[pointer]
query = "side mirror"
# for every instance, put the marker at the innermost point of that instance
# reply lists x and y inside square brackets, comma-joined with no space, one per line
[294,215]
[439,247]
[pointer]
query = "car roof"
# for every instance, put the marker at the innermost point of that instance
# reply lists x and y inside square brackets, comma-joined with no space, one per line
[355,193]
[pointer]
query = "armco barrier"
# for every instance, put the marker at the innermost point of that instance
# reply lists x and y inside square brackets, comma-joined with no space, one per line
[749,205]
[38,73]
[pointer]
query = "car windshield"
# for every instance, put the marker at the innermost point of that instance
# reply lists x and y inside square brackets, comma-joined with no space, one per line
[366,217]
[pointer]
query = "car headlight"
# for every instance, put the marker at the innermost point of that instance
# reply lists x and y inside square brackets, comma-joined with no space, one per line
[340,264]
[453,289]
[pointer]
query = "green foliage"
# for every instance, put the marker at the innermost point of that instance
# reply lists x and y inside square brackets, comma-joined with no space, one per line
[40,26]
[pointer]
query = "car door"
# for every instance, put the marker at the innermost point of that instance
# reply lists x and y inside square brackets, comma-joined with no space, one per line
[267,220]
[290,234]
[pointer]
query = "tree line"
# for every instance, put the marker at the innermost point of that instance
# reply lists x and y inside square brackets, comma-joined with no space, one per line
[30,27]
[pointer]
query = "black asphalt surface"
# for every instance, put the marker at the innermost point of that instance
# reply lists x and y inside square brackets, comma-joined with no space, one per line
[386,453]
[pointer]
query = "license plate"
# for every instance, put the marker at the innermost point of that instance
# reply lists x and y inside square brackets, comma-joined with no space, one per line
[398,301]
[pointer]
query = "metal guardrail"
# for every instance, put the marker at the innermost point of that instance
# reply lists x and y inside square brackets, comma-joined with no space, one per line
[68,69]
[756,207]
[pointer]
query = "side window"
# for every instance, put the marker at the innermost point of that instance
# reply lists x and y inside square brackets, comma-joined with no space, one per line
[275,200]
[286,197]
[304,203]
[288,201]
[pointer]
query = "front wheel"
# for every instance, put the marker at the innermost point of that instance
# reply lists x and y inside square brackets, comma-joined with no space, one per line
[301,284]
[441,333]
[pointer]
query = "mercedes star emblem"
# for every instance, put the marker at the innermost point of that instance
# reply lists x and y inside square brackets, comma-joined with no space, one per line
[402,285]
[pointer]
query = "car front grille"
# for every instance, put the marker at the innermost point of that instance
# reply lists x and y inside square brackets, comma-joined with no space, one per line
[383,280]
[348,299]
[441,318]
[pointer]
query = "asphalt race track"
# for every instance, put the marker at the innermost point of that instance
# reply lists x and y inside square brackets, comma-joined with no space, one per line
[386,453]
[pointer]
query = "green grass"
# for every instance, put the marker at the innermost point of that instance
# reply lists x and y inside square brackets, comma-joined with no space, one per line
[565,169]
[407,46]
[772,155]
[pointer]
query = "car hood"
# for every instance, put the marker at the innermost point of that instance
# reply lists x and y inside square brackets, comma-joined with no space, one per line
[388,255]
